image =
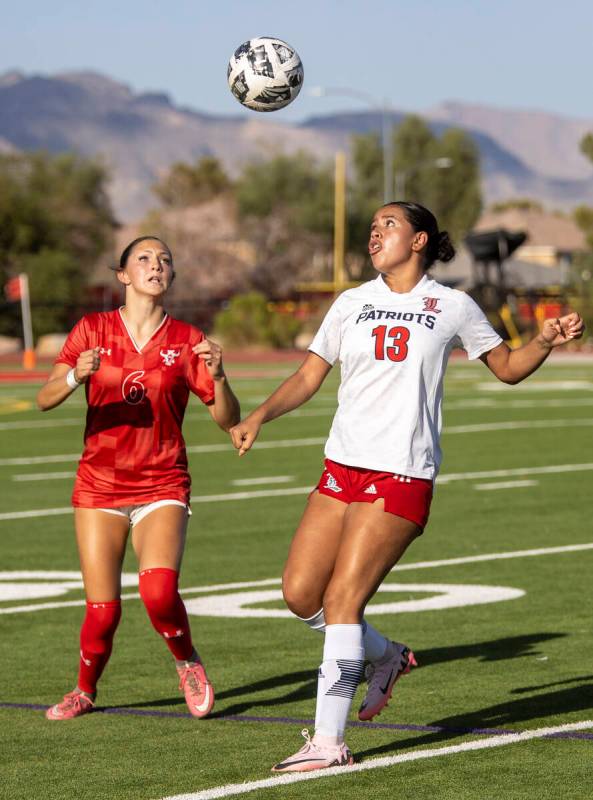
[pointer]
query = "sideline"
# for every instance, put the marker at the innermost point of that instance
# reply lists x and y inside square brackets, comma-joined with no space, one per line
[378,763]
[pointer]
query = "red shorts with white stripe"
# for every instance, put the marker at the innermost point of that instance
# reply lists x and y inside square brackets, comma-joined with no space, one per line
[403,496]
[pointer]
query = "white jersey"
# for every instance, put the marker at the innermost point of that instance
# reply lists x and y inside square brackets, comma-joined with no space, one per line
[393,350]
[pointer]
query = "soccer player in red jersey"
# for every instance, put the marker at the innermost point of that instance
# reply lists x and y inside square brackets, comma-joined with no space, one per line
[138,366]
[392,337]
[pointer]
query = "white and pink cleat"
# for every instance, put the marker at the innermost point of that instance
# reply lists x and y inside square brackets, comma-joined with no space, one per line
[382,677]
[198,691]
[315,755]
[74,704]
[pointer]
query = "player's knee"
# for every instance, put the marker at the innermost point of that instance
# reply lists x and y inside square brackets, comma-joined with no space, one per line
[298,596]
[158,590]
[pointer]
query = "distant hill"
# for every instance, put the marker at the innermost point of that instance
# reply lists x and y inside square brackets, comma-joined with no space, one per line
[139,136]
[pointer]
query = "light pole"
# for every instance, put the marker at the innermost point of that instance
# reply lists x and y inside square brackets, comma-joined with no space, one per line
[382,106]
[402,174]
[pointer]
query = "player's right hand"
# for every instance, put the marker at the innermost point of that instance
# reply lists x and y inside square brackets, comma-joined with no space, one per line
[244,434]
[88,362]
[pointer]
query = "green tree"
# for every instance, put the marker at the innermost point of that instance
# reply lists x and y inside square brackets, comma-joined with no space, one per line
[452,193]
[55,221]
[587,146]
[192,184]
[294,187]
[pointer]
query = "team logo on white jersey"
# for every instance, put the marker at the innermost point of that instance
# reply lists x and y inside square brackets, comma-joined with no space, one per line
[105,351]
[332,484]
[430,304]
[169,356]
[372,489]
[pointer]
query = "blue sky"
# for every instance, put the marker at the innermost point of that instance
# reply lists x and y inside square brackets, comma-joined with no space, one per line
[415,54]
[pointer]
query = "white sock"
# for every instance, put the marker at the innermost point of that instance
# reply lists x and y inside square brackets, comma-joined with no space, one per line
[339,676]
[374,643]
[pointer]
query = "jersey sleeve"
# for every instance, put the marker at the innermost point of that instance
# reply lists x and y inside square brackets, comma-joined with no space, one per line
[77,342]
[475,334]
[328,338]
[199,379]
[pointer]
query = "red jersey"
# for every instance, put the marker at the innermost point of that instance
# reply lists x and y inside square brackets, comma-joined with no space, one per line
[133,447]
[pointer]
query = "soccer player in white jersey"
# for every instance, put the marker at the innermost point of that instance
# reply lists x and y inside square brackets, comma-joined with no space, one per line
[392,337]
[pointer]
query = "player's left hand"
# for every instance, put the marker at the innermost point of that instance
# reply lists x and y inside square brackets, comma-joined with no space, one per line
[560,330]
[211,353]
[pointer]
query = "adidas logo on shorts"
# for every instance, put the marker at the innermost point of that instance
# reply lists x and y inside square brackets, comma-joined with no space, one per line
[372,489]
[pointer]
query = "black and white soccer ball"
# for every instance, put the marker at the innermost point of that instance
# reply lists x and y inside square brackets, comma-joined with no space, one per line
[265,74]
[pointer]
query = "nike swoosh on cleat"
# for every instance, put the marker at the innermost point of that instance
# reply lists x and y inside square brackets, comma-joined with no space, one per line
[203,706]
[302,761]
[385,690]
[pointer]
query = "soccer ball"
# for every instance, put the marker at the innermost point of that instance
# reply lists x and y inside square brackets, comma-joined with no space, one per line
[265,74]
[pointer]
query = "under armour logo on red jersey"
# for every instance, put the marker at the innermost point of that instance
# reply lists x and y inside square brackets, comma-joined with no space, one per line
[169,356]
[430,304]
[105,351]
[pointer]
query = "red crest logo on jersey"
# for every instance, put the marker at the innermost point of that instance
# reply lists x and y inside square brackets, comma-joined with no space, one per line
[169,357]
[430,304]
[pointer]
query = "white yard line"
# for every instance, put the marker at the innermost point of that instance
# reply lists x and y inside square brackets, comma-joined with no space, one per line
[488,487]
[263,481]
[535,386]
[300,490]
[447,477]
[40,423]
[453,562]
[42,476]
[380,763]
[525,424]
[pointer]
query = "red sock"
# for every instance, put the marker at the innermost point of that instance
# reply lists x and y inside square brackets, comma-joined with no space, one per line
[159,593]
[96,639]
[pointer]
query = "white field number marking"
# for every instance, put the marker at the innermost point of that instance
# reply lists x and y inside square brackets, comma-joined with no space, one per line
[65,581]
[443,595]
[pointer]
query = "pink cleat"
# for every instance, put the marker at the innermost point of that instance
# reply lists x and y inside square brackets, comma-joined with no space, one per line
[315,756]
[381,677]
[198,690]
[74,704]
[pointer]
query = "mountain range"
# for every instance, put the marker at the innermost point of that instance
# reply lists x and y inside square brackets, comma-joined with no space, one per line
[138,136]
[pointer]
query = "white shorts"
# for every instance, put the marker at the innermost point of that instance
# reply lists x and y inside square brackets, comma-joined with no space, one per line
[135,513]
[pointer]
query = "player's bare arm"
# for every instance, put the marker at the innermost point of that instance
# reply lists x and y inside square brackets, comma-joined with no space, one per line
[513,366]
[291,394]
[225,409]
[57,387]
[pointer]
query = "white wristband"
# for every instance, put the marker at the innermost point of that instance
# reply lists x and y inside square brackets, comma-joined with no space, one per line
[71,379]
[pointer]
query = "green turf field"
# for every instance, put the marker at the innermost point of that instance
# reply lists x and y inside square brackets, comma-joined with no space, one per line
[517,477]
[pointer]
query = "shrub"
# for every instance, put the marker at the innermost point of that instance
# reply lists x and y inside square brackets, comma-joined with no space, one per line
[251,320]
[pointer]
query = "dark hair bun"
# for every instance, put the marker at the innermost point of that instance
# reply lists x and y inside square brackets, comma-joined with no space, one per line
[445,249]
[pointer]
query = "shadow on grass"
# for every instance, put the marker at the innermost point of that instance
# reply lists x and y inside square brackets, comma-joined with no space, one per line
[305,691]
[542,706]
[495,650]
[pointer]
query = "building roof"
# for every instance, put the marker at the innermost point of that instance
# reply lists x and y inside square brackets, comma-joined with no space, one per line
[544,228]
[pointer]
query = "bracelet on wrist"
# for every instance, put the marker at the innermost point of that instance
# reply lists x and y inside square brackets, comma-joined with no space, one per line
[71,379]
